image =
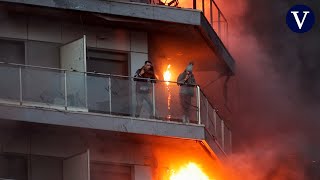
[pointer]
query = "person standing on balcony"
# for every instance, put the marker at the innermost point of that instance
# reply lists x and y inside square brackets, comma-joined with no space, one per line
[186,81]
[145,77]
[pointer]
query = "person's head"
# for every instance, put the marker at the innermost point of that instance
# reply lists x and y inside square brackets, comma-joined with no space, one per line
[147,65]
[189,68]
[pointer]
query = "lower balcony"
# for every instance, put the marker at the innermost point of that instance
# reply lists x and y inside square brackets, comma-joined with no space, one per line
[109,102]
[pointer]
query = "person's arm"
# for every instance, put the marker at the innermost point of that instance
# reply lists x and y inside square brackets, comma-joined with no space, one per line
[192,80]
[180,79]
[154,78]
[137,75]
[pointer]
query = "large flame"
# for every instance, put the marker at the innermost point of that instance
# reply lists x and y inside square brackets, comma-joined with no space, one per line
[189,172]
[167,74]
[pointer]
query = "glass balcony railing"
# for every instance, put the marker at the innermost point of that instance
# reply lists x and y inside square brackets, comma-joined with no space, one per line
[210,10]
[110,94]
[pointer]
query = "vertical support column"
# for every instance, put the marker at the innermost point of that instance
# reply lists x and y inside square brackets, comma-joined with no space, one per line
[194,4]
[110,93]
[153,101]
[222,135]
[65,91]
[20,85]
[198,105]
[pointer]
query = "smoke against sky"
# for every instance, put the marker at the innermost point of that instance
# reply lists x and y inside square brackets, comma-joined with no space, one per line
[278,79]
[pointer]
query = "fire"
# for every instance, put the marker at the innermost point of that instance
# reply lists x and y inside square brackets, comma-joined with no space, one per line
[189,172]
[167,74]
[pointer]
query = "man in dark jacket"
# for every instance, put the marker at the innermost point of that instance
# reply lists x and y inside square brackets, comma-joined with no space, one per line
[145,77]
[186,81]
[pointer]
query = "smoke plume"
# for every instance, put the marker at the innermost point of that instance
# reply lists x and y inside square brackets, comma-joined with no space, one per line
[278,88]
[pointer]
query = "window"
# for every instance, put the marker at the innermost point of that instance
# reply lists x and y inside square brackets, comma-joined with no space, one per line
[13,167]
[12,51]
[43,54]
[107,62]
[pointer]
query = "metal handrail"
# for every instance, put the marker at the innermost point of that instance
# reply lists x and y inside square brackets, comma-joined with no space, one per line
[93,73]
[215,4]
[103,74]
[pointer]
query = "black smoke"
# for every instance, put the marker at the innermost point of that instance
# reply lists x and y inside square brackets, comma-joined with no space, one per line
[278,80]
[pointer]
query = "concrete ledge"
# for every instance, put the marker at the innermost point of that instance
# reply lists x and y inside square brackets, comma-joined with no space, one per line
[213,146]
[102,122]
[137,10]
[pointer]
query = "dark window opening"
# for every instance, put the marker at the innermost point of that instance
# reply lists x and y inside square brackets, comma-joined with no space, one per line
[12,51]
[13,167]
[107,62]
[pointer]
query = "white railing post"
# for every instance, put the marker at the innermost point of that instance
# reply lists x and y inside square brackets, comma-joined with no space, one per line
[65,91]
[203,6]
[230,143]
[110,94]
[153,101]
[222,135]
[207,120]
[20,85]
[211,17]
[219,23]
[227,34]
[198,105]
[215,122]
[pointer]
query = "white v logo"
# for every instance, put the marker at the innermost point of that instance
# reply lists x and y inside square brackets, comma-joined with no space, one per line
[299,23]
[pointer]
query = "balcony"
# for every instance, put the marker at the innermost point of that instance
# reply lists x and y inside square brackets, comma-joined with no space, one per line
[93,94]
[210,10]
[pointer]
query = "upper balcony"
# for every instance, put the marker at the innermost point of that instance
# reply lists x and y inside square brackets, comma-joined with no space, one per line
[209,8]
[108,102]
[187,18]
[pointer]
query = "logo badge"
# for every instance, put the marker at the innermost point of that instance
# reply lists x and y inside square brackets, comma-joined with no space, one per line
[300,19]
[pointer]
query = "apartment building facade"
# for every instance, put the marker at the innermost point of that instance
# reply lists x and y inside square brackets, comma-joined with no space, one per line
[67,96]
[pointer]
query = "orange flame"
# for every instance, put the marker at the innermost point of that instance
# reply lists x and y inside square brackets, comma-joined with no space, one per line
[167,74]
[189,172]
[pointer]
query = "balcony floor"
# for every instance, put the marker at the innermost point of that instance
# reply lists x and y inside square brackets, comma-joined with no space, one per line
[139,126]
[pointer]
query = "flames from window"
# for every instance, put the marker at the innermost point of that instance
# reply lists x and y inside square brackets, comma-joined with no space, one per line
[167,74]
[191,171]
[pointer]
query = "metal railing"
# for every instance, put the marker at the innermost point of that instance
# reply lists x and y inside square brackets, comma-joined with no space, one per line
[210,10]
[110,94]
[215,125]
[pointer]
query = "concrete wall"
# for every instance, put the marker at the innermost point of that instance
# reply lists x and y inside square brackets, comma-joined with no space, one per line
[44,36]
[149,157]
[50,146]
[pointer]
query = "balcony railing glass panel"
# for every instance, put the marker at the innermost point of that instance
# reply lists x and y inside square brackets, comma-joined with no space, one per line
[9,80]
